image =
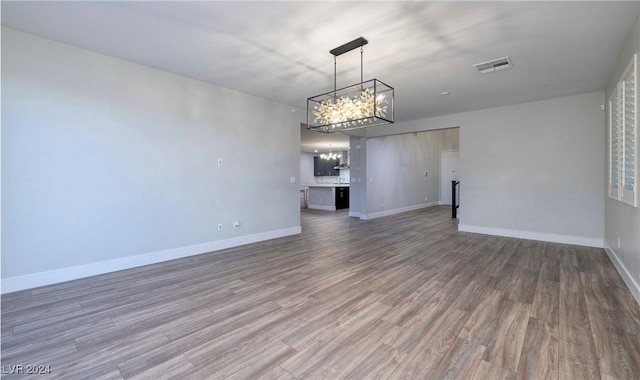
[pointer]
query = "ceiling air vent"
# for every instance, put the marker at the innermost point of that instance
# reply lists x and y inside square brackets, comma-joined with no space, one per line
[494,65]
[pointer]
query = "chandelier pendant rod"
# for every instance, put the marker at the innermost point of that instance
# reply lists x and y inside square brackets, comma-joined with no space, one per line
[360,105]
[357,43]
[361,68]
[335,75]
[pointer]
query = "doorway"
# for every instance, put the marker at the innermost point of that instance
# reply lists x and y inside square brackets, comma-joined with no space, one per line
[449,162]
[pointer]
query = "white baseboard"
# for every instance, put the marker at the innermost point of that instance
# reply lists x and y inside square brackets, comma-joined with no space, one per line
[355,214]
[541,236]
[633,286]
[320,207]
[397,211]
[14,284]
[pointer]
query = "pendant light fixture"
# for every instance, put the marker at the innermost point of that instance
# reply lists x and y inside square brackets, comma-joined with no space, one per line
[330,156]
[362,105]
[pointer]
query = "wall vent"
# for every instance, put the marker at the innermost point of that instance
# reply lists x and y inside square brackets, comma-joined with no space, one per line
[494,65]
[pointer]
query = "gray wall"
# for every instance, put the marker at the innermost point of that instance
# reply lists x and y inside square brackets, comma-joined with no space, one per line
[387,173]
[621,220]
[306,169]
[358,187]
[531,170]
[397,165]
[104,159]
[536,168]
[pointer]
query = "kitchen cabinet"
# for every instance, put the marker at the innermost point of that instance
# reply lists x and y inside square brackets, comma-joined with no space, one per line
[322,167]
[342,197]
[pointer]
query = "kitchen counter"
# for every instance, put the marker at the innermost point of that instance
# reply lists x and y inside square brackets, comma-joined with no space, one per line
[328,185]
[323,196]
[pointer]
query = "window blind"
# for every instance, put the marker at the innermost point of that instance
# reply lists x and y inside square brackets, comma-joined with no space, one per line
[623,137]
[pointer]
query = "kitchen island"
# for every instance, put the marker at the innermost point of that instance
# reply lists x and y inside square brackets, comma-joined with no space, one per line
[329,197]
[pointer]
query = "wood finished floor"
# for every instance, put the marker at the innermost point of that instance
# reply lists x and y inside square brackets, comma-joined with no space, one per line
[404,296]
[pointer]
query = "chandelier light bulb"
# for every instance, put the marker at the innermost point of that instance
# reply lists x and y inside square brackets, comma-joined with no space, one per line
[347,111]
[330,155]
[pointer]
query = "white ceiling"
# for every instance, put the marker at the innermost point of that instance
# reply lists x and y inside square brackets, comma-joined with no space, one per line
[280,50]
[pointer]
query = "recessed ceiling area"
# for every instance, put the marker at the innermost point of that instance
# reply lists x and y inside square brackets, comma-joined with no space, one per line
[280,50]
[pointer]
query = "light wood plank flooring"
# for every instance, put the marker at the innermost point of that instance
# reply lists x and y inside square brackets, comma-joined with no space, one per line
[404,296]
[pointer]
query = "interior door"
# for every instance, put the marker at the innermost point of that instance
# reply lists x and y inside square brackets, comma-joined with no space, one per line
[450,160]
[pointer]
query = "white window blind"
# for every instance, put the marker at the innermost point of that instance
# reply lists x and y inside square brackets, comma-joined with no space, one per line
[629,169]
[623,138]
[614,146]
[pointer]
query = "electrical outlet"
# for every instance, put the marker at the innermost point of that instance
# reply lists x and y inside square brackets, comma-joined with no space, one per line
[236,225]
[220,227]
[219,161]
[618,243]
[381,204]
[426,199]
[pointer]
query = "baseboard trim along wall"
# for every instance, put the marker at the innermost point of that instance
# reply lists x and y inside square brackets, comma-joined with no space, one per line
[396,211]
[14,284]
[355,214]
[320,207]
[633,286]
[541,236]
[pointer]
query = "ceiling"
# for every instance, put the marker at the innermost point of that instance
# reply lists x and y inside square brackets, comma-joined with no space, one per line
[280,50]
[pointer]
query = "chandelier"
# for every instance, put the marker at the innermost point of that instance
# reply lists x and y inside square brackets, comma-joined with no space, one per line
[365,104]
[330,156]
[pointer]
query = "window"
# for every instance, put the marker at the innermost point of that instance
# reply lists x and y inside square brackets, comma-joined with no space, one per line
[623,127]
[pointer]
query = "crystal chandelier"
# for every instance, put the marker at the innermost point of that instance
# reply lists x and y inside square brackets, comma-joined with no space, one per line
[361,105]
[330,156]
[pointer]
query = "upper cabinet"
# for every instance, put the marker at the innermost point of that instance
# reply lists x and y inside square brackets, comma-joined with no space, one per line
[322,167]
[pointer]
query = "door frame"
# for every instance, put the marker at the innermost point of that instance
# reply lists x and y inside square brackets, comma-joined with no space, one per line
[442,184]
